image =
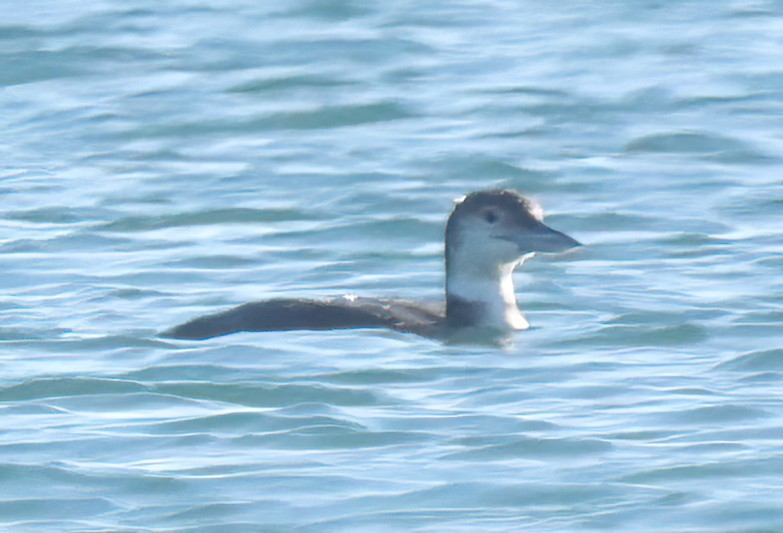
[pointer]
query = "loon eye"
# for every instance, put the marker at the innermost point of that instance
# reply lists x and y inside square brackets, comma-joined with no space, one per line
[491,217]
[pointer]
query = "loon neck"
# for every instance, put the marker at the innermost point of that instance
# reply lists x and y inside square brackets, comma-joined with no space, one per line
[483,299]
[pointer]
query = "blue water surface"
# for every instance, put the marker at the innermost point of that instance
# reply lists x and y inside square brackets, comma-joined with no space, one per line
[161,160]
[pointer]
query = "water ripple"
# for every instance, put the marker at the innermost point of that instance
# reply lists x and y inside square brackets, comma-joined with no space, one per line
[163,160]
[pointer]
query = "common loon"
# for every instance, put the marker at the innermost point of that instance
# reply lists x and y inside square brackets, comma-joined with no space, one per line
[488,234]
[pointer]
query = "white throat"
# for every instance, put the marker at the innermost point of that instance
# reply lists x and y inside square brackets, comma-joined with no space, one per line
[491,291]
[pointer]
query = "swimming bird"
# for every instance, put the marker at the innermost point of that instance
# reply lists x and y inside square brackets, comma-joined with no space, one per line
[488,234]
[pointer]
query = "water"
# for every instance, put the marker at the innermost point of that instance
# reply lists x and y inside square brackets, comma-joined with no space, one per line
[162,160]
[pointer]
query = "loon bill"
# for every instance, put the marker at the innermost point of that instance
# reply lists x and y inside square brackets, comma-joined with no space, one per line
[488,234]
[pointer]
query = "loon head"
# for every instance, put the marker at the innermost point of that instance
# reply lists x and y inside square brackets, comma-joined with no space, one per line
[488,234]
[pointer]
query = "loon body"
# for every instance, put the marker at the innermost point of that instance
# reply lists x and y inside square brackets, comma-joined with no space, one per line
[488,234]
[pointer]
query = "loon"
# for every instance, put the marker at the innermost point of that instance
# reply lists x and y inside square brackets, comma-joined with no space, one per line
[488,234]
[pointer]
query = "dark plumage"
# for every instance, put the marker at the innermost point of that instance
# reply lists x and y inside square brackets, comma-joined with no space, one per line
[334,313]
